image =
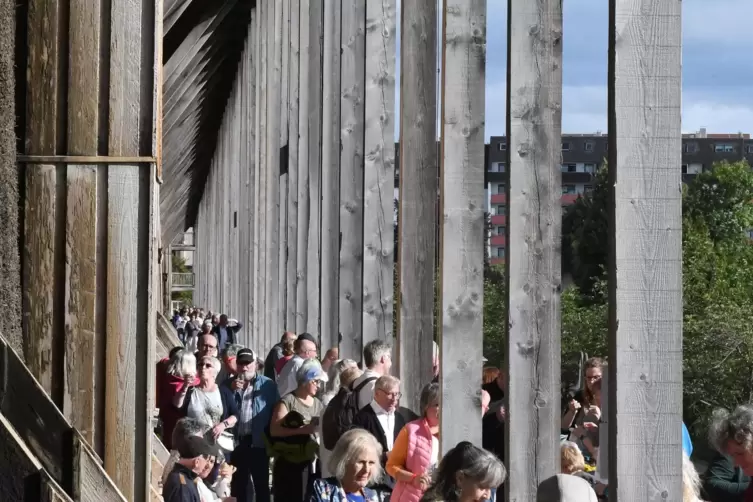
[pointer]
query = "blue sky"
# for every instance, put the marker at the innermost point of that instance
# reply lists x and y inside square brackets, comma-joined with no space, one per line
[717,66]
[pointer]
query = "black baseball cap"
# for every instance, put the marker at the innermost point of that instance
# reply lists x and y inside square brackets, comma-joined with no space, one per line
[309,337]
[196,446]
[245,355]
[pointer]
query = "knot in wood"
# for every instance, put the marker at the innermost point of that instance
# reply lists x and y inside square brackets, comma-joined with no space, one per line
[386,302]
[539,401]
[526,349]
[462,365]
[350,207]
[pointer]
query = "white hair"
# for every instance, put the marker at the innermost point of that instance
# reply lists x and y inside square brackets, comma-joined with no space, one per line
[216,364]
[346,451]
[182,363]
[386,382]
[333,385]
[691,481]
[374,351]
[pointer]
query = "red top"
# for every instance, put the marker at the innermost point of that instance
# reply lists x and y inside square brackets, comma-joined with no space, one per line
[281,363]
[167,387]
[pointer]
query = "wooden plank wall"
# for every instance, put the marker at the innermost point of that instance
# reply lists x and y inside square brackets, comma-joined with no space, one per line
[463,218]
[419,175]
[645,339]
[89,246]
[533,258]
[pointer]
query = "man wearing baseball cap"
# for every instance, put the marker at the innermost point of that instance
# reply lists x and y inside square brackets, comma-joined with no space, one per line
[180,485]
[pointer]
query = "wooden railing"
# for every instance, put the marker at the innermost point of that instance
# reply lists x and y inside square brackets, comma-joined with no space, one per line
[183,280]
[44,452]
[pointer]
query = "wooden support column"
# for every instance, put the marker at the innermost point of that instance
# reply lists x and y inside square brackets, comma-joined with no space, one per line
[645,270]
[418,195]
[304,92]
[261,111]
[294,83]
[282,232]
[313,242]
[534,116]
[330,181]
[250,141]
[274,64]
[351,138]
[379,172]
[463,222]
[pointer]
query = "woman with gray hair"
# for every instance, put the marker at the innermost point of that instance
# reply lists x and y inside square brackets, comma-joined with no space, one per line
[355,465]
[293,427]
[467,474]
[732,434]
[416,450]
[209,403]
[334,373]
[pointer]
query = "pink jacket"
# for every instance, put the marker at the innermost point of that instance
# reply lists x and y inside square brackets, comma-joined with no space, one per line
[417,461]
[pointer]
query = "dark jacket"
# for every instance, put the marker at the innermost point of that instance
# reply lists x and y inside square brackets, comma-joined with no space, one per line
[180,486]
[367,419]
[229,407]
[269,363]
[724,482]
[232,332]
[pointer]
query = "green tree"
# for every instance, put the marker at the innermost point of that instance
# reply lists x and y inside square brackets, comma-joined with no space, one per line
[180,267]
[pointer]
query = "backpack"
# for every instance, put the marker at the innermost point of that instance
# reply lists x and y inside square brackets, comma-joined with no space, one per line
[339,414]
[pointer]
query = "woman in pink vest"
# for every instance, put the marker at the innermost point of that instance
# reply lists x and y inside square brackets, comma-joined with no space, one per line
[415,453]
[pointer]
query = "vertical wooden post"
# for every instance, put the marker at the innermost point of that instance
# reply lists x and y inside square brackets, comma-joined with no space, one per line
[291,309]
[304,60]
[274,63]
[379,172]
[313,255]
[251,142]
[351,176]
[462,230]
[645,270]
[282,272]
[418,195]
[330,180]
[534,226]
[81,383]
[261,314]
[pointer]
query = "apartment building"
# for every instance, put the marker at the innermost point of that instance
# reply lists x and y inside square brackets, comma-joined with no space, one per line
[583,154]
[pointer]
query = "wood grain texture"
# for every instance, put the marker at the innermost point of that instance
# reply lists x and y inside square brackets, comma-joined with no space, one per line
[330,180]
[463,202]
[274,71]
[379,171]
[534,228]
[38,422]
[121,421]
[90,481]
[352,75]
[294,84]
[50,491]
[418,196]
[20,480]
[302,242]
[282,292]
[82,379]
[253,169]
[262,305]
[259,179]
[40,352]
[313,241]
[645,295]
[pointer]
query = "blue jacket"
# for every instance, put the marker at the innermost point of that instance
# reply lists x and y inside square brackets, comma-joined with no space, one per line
[687,444]
[265,399]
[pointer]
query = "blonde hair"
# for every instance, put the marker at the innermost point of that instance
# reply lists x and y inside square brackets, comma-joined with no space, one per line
[691,481]
[490,374]
[571,458]
[182,363]
[350,375]
[348,447]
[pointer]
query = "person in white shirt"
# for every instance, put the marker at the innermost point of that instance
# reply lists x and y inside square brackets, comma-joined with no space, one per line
[377,356]
[305,348]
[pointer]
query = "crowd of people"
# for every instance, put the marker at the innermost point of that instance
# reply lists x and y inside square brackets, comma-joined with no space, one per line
[333,430]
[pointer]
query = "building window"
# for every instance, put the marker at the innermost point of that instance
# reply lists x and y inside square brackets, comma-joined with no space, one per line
[589,168]
[587,188]
[498,167]
[500,252]
[565,146]
[684,169]
[501,146]
[500,230]
[689,147]
[588,146]
[568,189]
[750,148]
[500,210]
[569,168]
[724,148]
[501,188]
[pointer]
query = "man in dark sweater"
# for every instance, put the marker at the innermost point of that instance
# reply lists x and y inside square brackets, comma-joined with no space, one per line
[181,484]
[724,482]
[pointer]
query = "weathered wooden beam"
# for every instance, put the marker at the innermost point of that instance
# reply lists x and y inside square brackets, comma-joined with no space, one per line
[274,72]
[463,220]
[90,481]
[645,270]
[352,77]
[418,196]
[304,92]
[294,84]
[282,253]
[22,477]
[313,241]
[44,194]
[330,180]
[534,117]
[379,171]
[261,107]
[251,141]
[83,378]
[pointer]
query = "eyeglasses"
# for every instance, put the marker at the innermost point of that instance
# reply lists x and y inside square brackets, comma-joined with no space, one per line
[392,395]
